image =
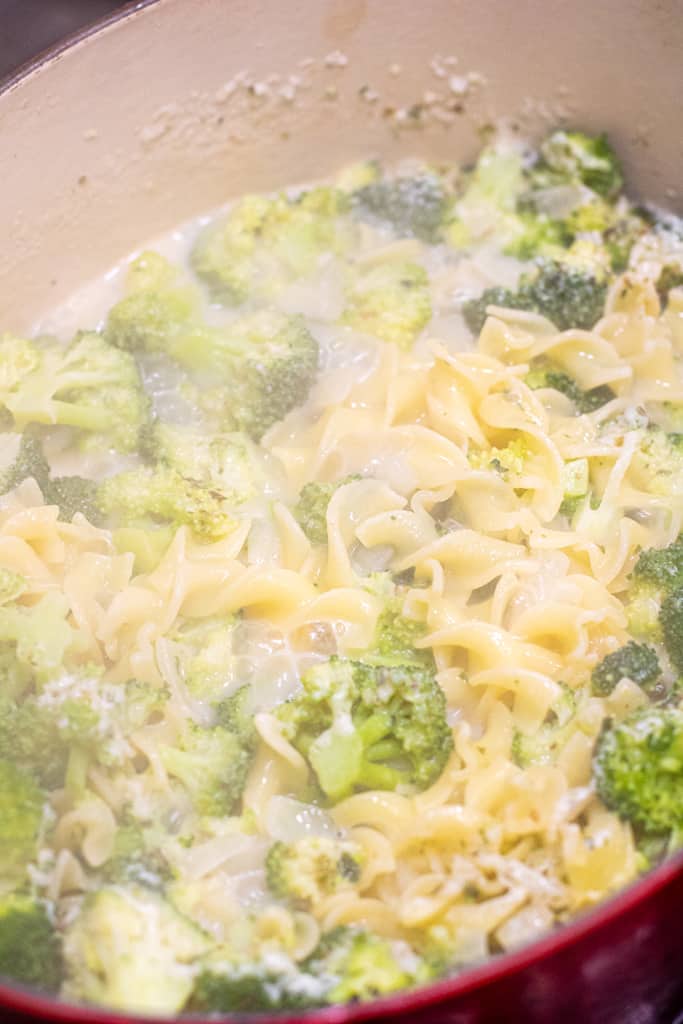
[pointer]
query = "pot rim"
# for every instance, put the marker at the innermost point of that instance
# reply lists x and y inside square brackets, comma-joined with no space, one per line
[29,1001]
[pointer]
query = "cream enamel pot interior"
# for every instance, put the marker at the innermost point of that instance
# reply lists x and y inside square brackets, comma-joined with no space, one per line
[172,106]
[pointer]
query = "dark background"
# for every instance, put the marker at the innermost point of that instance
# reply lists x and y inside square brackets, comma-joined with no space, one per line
[29,26]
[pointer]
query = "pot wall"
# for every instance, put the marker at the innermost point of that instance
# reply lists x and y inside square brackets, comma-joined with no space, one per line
[185,103]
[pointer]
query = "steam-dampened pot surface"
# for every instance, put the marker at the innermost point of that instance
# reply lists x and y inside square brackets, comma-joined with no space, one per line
[336,59]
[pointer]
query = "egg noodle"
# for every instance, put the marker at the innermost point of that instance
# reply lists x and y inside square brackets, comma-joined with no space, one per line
[453,479]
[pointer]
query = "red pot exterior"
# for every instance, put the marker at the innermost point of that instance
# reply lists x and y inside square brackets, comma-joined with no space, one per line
[620,964]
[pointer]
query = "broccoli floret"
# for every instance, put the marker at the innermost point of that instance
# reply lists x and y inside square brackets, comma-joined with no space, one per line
[30,948]
[657,572]
[89,385]
[128,949]
[12,585]
[135,860]
[395,639]
[670,276]
[363,966]
[310,510]
[547,375]
[34,641]
[224,463]
[543,746]
[488,204]
[255,370]
[369,726]
[391,301]
[671,624]
[622,235]
[274,984]
[234,713]
[29,738]
[204,649]
[156,310]
[212,764]
[659,462]
[638,767]
[662,567]
[505,461]
[306,871]
[574,156]
[567,296]
[22,803]
[70,494]
[163,495]
[411,205]
[637,662]
[269,239]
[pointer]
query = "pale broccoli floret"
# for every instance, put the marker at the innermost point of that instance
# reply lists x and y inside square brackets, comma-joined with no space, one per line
[414,205]
[157,310]
[395,639]
[205,652]
[369,726]
[306,871]
[567,296]
[30,947]
[390,300]
[211,764]
[229,464]
[363,966]
[671,624]
[276,983]
[544,745]
[70,494]
[161,495]
[137,859]
[657,573]
[128,949]
[311,509]
[638,662]
[34,641]
[545,374]
[255,370]
[22,804]
[266,242]
[575,156]
[488,204]
[89,385]
[659,462]
[507,461]
[638,767]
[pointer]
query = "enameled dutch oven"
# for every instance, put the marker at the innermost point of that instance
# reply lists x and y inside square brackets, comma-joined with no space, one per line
[172,106]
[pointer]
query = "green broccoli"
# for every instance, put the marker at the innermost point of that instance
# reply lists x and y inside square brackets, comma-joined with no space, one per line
[395,639]
[363,966]
[658,572]
[29,738]
[637,662]
[276,983]
[234,713]
[568,296]
[253,371]
[162,495]
[156,310]
[543,746]
[306,871]
[369,726]
[545,374]
[620,237]
[34,641]
[670,276]
[130,950]
[229,464]
[89,385]
[136,860]
[205,655]
[212,764]
[310,510]
[574,156]
[411,205]
[30,948]
[488,204]
[638,768]
[671,624]
[658,463]
[71,494]
[22,804]
[390,300]
[269,239]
